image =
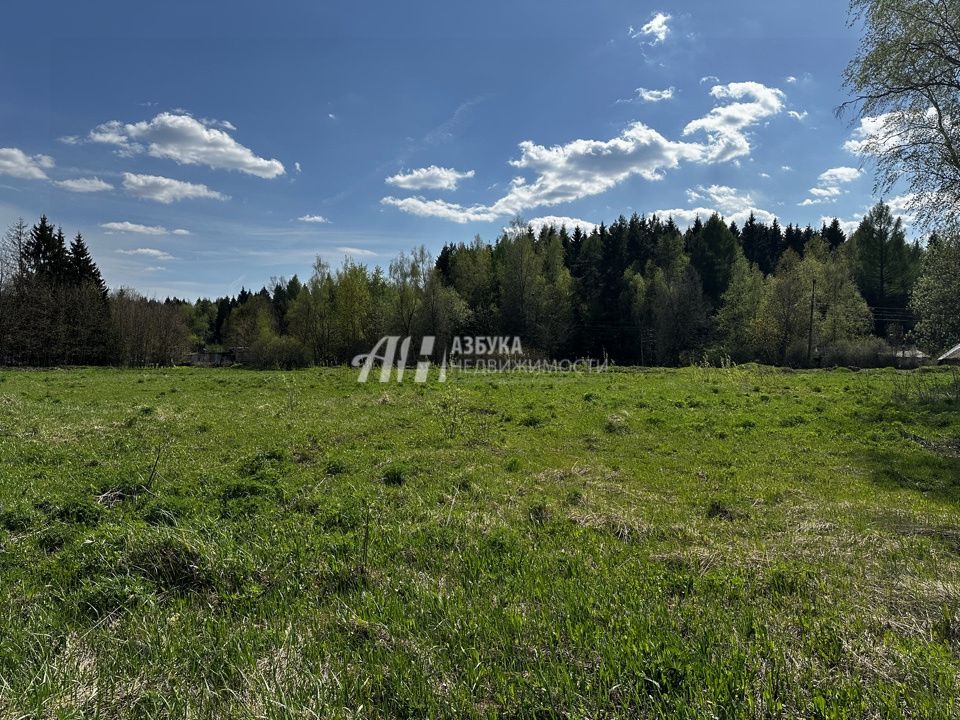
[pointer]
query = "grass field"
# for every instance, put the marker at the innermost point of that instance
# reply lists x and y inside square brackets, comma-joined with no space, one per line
[741,542]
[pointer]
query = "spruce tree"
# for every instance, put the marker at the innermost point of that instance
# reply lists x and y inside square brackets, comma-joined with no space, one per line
[82,267]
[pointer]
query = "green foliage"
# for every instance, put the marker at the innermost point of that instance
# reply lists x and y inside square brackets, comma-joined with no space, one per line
[885,266]
[904,79]
[713,251]
[936,297]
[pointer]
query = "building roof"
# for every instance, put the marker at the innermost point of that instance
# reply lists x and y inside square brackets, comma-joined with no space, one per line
[952,354]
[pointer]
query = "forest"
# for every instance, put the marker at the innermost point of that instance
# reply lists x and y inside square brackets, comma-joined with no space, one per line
[639,291]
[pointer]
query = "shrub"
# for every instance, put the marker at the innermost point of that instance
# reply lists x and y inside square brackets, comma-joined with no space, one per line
[861,352]
[279,353]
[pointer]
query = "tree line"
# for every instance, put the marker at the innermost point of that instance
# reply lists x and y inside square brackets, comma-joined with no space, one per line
[55,308]
[637,291]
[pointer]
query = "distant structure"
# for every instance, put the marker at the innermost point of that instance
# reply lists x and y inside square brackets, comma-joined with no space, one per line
[910,358]
[218,358]
[950,357]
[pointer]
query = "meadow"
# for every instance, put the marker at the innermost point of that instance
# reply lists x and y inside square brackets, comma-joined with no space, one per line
[743,542]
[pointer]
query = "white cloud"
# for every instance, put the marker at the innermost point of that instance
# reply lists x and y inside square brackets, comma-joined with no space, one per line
[826,192]
[559,221]
[151,253]
[442,209]
[734,205]
[654,96]
[583,168]
[709,78]
[725,124]
[839,175]
[828,185]
[129,227]
[790,79]
[186,140]
[429,178]
[874,134]
[799,116]
[167,190]
[658,29]
[179,231]
[16,163]
[901,206]
[313,219]
[765,176]
[296,166]
[849,227]
[84,185]
[786,168]
[361,252]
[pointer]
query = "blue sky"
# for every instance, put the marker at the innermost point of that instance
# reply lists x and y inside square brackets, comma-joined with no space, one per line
[204,146]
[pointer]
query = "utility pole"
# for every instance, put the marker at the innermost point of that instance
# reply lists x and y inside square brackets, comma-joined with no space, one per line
[813,294]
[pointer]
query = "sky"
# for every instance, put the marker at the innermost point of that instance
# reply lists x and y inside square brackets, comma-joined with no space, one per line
[201,147]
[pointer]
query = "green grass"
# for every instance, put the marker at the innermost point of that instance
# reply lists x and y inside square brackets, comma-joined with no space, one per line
[726,543]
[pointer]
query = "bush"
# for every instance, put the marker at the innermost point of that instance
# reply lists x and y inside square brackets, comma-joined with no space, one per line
[279,353]
[863,352]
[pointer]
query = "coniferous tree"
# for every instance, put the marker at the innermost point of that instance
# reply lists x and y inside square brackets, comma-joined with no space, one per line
[833,234]
[713,250]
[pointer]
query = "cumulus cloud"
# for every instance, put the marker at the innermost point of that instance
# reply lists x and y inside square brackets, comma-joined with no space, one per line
[138,229]
[839,175]
[84,185]
[790,79]
[709,79]
[583,168]
[873,135]
[725,124]
[657,29]
[731,203]
[429,178]
[184,139]
[151,253]
[16,163]
[559,221]
[828,185]
[849,227]
[798,116]
[313,219]
[167,190]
